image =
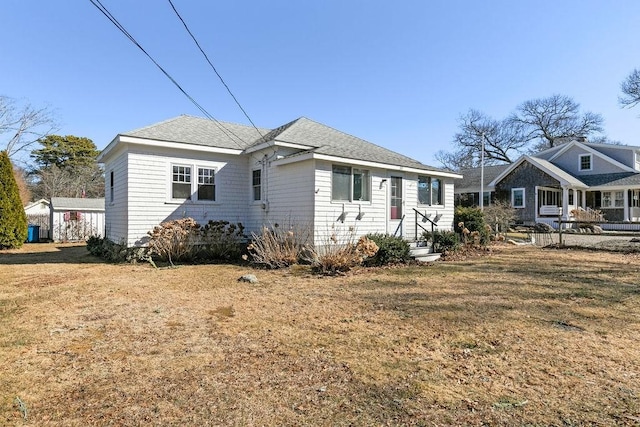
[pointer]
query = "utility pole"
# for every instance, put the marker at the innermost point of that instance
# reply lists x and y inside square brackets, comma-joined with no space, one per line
[482,174]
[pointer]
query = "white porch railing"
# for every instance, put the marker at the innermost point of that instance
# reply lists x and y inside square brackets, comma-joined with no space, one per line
[547,210]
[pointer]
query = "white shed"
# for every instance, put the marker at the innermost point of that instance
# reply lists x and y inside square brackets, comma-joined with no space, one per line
[74,219]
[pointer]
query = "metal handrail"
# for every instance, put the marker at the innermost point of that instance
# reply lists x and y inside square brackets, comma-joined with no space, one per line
[395,233]
[425,218]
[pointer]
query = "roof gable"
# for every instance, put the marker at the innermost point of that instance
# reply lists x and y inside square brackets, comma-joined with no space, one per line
[589,149]
[549,168]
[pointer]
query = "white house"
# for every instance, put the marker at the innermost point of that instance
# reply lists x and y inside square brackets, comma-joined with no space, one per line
[302,173]
[76,219]
[39,207]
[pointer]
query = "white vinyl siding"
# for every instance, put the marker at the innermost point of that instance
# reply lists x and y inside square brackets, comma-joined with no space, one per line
[115,226]
[149,197]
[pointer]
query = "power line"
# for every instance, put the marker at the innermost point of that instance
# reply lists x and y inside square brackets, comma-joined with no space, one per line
[214,69]
[120,27]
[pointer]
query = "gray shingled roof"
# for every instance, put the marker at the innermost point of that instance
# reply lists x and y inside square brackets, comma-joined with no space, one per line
[470,182]
[324,139]
[332,142]
[612,179]
[199,131]
[70,203]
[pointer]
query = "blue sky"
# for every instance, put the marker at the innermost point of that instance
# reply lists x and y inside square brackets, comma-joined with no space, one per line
[398,74]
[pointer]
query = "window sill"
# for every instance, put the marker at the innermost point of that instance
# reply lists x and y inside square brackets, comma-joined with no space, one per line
[355,202]
[431,206]
[191,202]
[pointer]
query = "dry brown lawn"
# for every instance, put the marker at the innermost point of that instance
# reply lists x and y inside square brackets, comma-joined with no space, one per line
[525,336]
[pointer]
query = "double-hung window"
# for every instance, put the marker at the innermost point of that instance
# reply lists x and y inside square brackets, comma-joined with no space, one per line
[517,198]
[350,184]
[256,183]
[429,191]
[612,199]
[181,182]
[206,184]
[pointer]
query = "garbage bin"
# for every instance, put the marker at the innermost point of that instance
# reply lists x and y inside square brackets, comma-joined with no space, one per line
[33,234]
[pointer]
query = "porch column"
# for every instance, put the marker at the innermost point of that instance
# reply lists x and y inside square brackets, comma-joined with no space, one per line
[626,205]
[565,203]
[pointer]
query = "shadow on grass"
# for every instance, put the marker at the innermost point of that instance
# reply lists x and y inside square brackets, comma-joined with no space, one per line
[48,253]
[494,287]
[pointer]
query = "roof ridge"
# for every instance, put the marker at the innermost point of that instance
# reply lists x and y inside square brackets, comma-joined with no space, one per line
[162,122]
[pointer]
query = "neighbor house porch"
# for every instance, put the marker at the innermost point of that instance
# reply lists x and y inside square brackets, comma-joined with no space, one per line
[622,205]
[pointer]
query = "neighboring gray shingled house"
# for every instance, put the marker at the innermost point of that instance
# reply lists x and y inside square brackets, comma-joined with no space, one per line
[572,176]
[302,173]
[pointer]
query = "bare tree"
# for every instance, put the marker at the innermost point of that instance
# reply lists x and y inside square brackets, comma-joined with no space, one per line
[547,122]
[502,141]
[631,90]
[22,125]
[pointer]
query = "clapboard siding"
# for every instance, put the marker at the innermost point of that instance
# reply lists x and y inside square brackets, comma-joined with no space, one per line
[327,211]
[290,194]
[116,212]
[375,219]
[149,199]
[295,190]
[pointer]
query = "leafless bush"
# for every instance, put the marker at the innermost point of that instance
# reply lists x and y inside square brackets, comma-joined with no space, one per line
[499,215]
[174,240]
[275,247]
[587,215]
[339,254]
[221,240]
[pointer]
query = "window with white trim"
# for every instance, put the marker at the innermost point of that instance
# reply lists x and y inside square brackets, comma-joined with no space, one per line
[429,191]
[612,199]
[111,191]
[186,186]
[256,183]
[618,200]
[206,184]
[585,162]
[181,182]
[350,184]
[517,198]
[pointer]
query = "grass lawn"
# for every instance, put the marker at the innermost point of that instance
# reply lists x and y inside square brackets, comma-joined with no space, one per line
[525,336]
